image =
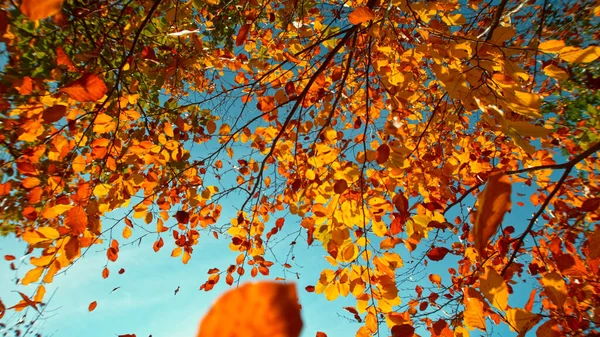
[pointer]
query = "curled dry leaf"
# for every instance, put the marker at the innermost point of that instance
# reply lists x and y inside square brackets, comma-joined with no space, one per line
[264,308]
[493,203]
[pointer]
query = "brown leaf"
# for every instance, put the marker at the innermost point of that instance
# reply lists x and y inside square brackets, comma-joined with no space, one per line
[72,247]
[2,309]
[264,308]
[242,35]
[3,27]
[360,15]
[403,330]
[88,88]
[54,113]
[40,9]
[92,306]
[383,153]
[493,203]
[182,217]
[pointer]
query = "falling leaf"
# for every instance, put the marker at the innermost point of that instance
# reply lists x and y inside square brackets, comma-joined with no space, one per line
[92,306]
[264,308]
[242,34]
[88,88]
[40,9]
[493,203]
[360,15]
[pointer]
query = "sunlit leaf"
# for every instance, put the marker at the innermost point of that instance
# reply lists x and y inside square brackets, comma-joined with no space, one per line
[360,15]
[40,9]
[265,308]
[88,88]
[493,203]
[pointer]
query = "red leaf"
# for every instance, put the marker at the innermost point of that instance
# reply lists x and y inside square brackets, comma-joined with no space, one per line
[383,153]
[320,334]
[63,59]
[88,88]
[182,217]
[404,330]
[105,272]
[310,289]
[9,257]
[158,244]
[360,15]
[242,35]
[77,220]
[92,306]
[437,253]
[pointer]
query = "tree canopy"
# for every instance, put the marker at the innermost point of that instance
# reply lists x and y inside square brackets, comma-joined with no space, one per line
[369,129]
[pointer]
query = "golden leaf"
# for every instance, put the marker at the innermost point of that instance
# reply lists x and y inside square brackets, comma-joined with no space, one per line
[473,315]
[32,276]
[551,46]
[521,320]
[576,55]
[555,288]
[494,288]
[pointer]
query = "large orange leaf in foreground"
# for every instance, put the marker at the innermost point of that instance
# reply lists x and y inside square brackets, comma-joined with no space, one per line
[263,309]
[40,9]
[88,88]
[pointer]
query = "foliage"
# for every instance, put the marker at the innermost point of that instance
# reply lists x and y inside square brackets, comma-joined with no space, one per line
[382,129]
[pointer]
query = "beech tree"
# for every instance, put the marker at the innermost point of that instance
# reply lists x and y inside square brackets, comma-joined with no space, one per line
[372,129]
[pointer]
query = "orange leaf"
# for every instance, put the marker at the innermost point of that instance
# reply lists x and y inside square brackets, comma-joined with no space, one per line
[264,308]
[2,309]
[72,248]
[494,288]
[92,306]
[40,9]
[158,244]
[105,272]
[32,276]
[30,182]
[88,88]
[493,202]
[320,334]
[473,315]
[63,59]
[9,257]
[360,15]
[77,220]
[242,35]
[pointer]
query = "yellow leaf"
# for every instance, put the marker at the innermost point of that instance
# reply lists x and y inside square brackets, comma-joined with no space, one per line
[521,320]
[169,130]
[224,129]
[78,164]
[40,235]
[360,15]
[32,276]
[551,46]
[576,55]
[493,203]
[260,309]
[556,72]
[473,315]
[40,9]
[455,19]
[101,190]
[494,288]
[555,288]
[126,232]
[527,129]
[176,252]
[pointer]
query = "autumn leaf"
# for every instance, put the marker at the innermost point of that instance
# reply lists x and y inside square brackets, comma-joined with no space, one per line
[242,34]
[76,219]
[32,276]
[473,315]
[437,253]
[2,309]
[493,203]
[92,306]
[403,330]
[360,15]
[555,288]
[40,9]
[266,308]
[88,88]
[54,113]
[494,288]
[522,320]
